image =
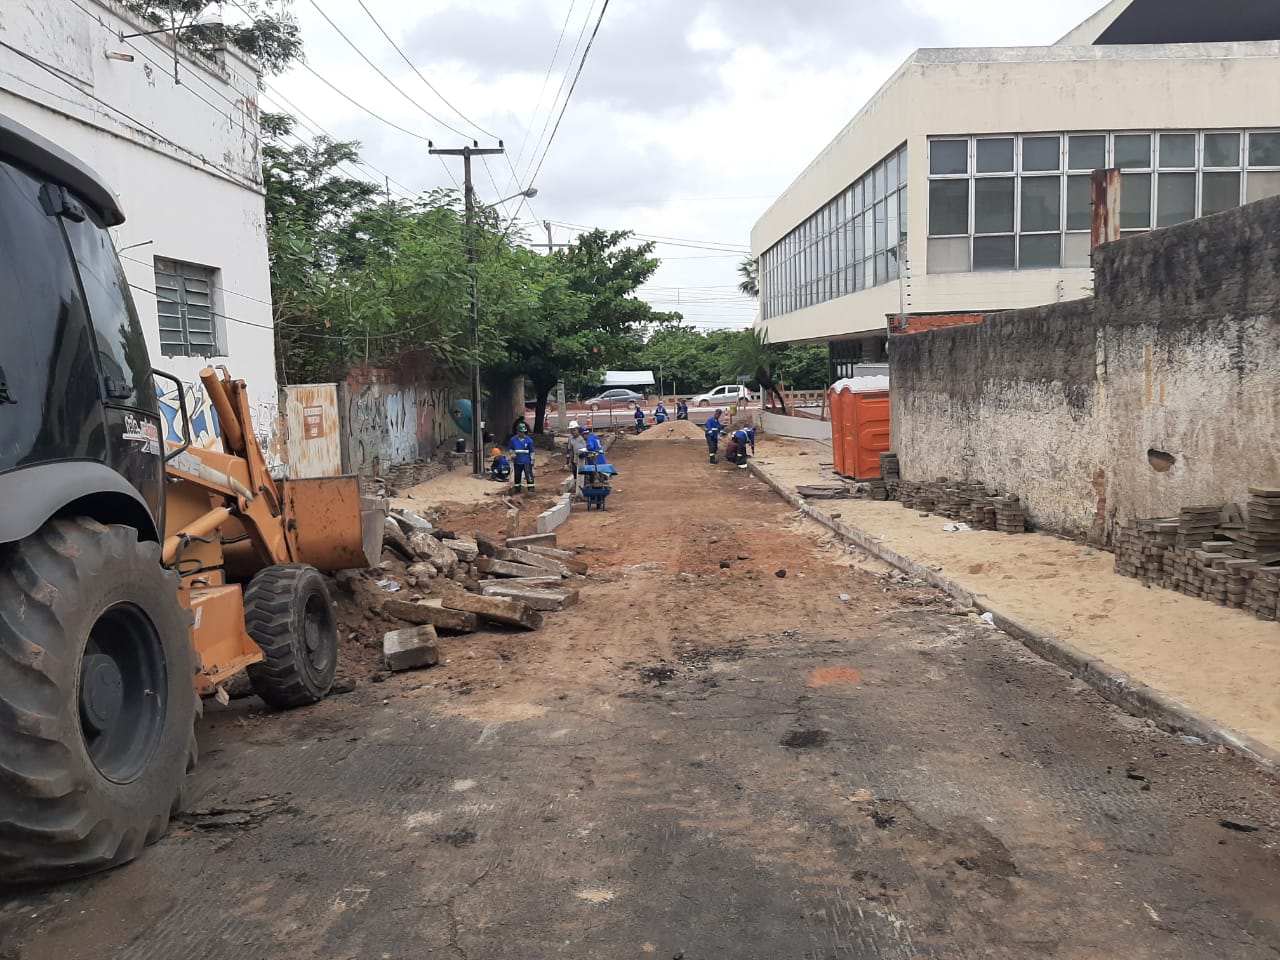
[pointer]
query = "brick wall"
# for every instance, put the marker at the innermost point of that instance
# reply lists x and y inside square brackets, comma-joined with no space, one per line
[1078,407]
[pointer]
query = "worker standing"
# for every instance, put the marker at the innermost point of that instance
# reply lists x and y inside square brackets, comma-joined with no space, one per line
[714,428]
[660,413]
[577,450]
[639,419]
[521,449]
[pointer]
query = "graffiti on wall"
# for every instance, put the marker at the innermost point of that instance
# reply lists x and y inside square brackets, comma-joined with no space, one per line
[393,417]
[204,419]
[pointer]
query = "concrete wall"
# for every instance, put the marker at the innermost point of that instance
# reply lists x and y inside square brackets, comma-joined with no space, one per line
[395,415]
[798,428]
[1179,354]
[1001,91]
[183,158]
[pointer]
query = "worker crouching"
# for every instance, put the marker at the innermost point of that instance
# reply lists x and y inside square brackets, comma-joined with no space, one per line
[739,442]
[499,467]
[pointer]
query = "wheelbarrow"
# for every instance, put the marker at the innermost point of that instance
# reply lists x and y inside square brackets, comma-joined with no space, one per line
[595,483]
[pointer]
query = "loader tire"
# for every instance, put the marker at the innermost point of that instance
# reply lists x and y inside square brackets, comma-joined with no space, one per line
[288,613]
[97,702]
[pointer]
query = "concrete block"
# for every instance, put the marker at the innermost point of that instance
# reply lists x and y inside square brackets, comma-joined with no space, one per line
[487,546]
[411,522]
[567,557]
[511,613]
[504,568]
[467,552]
[537,540]
[410,649]
[534,560]
[394,539]
[551,581]
[556,516]
[452,621]
[548,601]
[428,548]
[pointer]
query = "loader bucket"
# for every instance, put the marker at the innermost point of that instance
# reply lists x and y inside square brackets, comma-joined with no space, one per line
[332,527]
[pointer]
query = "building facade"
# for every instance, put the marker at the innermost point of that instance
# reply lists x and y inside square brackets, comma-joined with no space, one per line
[964,184]
[176,135]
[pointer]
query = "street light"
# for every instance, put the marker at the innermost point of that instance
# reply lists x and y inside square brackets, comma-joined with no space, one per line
[528,194]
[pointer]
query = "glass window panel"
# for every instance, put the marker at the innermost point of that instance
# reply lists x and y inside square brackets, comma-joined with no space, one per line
[993,253]
[1041,153]
[1041,203]
[1264,149]
[993,206]
[1079,203]
[860,274]
[950,255]
[902,215]
[1087,152]
[859,247]
[891,173]
[881,227]
[891,222]
[1262,185]
[882,268]
[1076,250]
[1177,151]
[948,207]
[1175,198]
[1222,149]
[948,157]
[995,156]
[1135,201]
[1221,192]
[1133,151]
[857,197]
[840,209]
[1040,252]
[902,165]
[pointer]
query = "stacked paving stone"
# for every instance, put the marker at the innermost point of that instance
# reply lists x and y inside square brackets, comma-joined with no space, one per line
[891,475]
[1011,516]
[907,493]
[1201,554]
[980,514]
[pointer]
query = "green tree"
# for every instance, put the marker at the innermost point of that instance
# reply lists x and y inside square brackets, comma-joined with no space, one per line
[750,354]
[271,35]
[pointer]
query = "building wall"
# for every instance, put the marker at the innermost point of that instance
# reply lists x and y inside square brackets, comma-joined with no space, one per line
[1008,90]
[1063,405]
[395,415]
[185,163]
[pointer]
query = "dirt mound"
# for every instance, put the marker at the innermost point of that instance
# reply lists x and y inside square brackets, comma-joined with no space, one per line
[674,430]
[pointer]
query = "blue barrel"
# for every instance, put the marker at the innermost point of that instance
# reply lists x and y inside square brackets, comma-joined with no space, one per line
[460,411]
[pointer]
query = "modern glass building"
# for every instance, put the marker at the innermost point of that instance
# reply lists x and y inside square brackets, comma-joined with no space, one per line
[964,184]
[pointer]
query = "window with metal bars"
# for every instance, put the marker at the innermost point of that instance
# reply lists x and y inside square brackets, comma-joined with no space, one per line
[185,305]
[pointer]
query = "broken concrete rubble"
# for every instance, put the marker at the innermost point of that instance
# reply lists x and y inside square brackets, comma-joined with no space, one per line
[511,613]
[427,547]
[504,568]
[410,649]
[545,600]
[442,618]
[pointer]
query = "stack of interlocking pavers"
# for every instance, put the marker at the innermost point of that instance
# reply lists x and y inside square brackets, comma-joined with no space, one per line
[1262,594]
[981,515]
[1011,516]
[1260,540]
[1198,524]
[1141,549]
[891,474]
[907,493]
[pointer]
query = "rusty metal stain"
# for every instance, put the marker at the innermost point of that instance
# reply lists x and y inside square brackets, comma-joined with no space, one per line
[313,438]
[1105,212]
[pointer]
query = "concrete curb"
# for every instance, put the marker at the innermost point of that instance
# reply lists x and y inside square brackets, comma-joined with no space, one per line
[1119,688]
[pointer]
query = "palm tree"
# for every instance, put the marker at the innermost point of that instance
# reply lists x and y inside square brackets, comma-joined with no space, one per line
[749,270]
[751,354]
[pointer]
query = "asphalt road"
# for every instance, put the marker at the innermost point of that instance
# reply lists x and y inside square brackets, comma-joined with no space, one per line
[702,761]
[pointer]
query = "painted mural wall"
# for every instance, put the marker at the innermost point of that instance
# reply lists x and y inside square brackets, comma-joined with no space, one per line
[396,414]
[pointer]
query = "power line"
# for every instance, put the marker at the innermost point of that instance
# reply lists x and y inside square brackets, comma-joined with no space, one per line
[378,70]
[419,73]
[564,29]
[569,96]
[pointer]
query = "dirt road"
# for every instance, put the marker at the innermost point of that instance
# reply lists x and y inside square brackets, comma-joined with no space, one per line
[704,760]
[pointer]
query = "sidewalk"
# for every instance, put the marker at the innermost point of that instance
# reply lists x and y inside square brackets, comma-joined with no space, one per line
[1208,666]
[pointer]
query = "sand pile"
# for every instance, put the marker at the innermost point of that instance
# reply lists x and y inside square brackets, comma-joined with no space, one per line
[674,430]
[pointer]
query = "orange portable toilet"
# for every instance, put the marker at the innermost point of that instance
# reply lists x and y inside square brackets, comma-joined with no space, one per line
[859,426]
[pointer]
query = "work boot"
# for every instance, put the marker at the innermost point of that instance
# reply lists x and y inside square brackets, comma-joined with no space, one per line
[530,488]
[713,458]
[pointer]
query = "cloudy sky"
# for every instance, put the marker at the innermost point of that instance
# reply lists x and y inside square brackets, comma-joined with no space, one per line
[689,118]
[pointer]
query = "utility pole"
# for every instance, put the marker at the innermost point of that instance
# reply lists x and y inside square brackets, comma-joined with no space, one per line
[551,244]
[466,153]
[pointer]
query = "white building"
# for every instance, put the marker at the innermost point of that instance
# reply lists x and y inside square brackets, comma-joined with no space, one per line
[183,156]
[994,148]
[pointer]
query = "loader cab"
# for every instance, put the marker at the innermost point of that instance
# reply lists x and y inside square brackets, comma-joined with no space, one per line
[80,424]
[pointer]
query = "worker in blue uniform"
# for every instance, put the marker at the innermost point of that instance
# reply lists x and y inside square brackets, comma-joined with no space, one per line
[682,410]
[660,413]
[521,449]
[738,443]
[714,428]
[639,415]
[500,467]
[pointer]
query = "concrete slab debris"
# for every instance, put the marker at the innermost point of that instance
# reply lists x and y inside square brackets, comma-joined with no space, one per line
[451,621]
[466,552]
[537,540]
[504,568]
[410,649]
[547,601]
[511,613]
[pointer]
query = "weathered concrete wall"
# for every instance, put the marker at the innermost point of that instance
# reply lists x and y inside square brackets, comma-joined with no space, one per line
[1078,407]
[395,415]
[799,428]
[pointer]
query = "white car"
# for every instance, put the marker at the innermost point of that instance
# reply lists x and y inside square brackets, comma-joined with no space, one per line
[726,395]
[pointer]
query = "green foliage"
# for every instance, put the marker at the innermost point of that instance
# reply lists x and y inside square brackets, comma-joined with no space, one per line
[749,270]
[696,361]
[271,36]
